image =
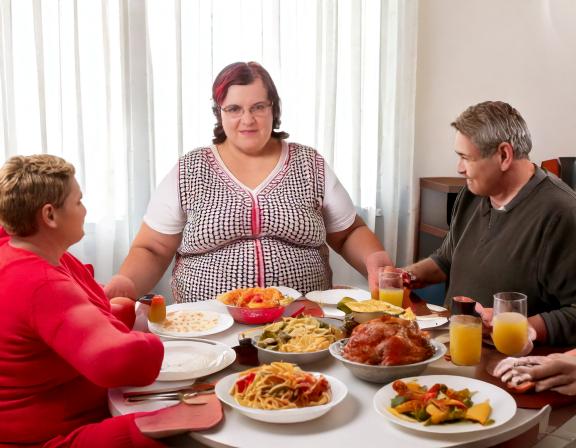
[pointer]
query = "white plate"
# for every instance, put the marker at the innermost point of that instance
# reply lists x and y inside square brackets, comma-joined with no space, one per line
[433,322]
[225,321]
[333,296]
[423,324]
[288,291]
[295,415]
[184,360]
[502,403]
[435,308]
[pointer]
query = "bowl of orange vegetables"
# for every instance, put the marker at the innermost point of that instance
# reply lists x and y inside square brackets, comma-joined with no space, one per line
[255,306]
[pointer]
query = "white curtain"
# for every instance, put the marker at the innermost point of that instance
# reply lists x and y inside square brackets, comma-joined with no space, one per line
[121,88]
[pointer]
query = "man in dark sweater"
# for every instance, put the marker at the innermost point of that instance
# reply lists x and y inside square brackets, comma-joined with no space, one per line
[513,227]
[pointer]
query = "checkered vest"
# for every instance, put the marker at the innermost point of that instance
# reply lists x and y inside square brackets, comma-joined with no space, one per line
[233,238]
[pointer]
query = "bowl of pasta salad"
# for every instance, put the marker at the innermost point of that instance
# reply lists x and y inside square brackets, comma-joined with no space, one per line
[255,306]
[298,340]
[280,393]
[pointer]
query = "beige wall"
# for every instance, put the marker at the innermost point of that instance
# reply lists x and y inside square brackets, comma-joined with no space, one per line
[519,51]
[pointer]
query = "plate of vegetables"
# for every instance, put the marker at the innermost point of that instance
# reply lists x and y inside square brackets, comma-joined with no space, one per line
[444,404]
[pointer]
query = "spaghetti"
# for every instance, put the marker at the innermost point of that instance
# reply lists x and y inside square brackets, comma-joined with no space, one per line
[299,335]
[280,385]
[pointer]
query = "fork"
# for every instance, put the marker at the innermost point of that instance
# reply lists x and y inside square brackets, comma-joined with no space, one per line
[182,396]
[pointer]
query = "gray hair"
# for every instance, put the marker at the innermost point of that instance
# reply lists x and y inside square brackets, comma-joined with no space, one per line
[490,123]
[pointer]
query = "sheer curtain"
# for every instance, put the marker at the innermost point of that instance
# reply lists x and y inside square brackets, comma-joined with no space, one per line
[121,88]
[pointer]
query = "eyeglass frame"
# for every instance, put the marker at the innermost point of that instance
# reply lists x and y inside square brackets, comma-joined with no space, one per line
[259,109]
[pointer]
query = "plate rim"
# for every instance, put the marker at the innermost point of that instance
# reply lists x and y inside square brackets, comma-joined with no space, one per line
[225,383]
[226,361]
[441,429]
[225,322]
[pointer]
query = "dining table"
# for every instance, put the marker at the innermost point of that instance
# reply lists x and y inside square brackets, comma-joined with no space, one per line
[355,420]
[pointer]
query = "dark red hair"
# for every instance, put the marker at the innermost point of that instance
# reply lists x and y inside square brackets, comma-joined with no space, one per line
[242,74]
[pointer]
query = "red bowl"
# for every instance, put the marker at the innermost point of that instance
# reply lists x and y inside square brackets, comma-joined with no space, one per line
[255,316]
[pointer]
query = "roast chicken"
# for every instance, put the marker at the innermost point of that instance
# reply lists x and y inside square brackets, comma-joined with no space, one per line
[388,341]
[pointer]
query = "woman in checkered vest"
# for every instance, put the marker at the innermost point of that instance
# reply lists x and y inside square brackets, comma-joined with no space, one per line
[251,209]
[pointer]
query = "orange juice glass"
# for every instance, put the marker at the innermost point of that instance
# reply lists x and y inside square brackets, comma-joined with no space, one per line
[510,324]
[465,340]
[390,286]
[157,312]
[391,295]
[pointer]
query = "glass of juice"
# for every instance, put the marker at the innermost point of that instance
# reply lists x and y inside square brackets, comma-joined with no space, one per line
[509,323]
[465,339]
[390,286]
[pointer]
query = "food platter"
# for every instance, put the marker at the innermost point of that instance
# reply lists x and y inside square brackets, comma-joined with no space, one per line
[294,415]
[502,403]
[384,374]
[193,323]
[269,355]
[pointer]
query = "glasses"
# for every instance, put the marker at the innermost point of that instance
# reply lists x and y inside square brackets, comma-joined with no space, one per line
[256,110]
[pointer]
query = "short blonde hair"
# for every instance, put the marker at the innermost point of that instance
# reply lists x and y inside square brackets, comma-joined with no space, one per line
[27,183]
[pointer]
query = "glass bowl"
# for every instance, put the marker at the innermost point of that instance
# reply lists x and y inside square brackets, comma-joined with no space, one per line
[254,316]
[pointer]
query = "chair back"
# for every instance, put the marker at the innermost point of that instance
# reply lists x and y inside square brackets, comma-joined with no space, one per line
[562,167]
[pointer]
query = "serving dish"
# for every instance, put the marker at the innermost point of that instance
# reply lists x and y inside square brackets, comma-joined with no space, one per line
[258,316]
[295,415]
[502,403]
[266,356]
[384,374]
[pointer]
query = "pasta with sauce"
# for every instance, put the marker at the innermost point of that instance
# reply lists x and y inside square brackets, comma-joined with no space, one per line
[280,385]
[299,335]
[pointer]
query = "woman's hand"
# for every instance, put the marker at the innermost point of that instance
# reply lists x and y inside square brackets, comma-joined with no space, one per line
[374,262]
[123,308]
[556,372]
[120,286]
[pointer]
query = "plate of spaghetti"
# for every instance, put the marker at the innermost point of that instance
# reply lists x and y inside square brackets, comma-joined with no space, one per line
[280,392]
[298,340]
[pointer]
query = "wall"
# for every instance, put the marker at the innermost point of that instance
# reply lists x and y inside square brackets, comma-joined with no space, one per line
[519,51]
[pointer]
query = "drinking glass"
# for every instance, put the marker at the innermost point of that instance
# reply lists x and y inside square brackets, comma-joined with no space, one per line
[465,340]
[463,305]
[391,286]
[509,322]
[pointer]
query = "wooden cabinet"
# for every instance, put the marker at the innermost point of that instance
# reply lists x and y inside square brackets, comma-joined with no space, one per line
[437,196]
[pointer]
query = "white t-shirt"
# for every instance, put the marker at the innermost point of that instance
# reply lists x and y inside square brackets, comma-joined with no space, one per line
[165,215]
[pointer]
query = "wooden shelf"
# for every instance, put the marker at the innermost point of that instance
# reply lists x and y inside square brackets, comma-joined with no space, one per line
[433,230]
[443,184]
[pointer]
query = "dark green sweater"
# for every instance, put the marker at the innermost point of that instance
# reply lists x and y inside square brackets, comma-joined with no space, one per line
[530,247]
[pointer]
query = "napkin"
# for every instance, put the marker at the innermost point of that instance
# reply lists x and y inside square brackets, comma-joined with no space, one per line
[181,418]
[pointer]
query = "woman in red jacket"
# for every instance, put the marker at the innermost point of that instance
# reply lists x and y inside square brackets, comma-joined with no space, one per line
[61,346]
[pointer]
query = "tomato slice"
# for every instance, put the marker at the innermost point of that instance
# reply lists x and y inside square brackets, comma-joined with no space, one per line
[522,387]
